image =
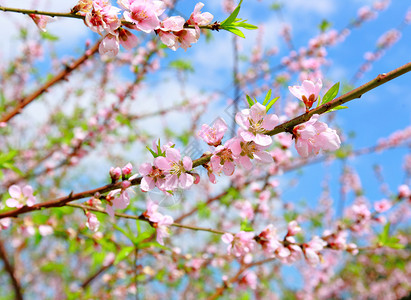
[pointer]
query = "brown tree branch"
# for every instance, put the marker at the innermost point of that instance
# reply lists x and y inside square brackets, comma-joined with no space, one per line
[60,76]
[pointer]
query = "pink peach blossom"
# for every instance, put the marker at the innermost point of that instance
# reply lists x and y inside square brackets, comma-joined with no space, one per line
[313,136]
[213,135]
[307,92]
[255,123]
[20,196]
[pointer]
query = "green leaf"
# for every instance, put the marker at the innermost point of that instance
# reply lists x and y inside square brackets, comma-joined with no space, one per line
[129,235]
[242,23]
[231,18]
[249,100]
[182,65]
[267,97]
[234,30]
[246,226]
[337,108]
[272,103]
[331,93]
[324,25]
[123,254]
[48,36]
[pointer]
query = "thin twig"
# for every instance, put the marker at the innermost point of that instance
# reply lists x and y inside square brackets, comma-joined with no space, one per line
[10,270]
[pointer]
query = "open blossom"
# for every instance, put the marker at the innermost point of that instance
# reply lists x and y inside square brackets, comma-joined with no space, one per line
[255,123]
[143,13]
[213,135]
[313,136]
[20,196]
[312,248]
[161,222]
[199,19]
[239,244]
[307,92]
[167,29]
[175,169]
[41,21]
[118,199]
[103,17]
[92,222]
[245,151]
[152,177]
[222,159]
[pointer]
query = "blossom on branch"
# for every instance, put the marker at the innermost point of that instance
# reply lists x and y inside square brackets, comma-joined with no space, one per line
[213,135]
[143,13]
[92,222]
[313,136]
[20,196]
[41,21]
[307,92]
[175,169]
[239,244]
[254,123]
[160,221]
[103,17]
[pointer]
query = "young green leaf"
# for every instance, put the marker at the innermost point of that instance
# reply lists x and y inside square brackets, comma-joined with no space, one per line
[337,108]
[267,97]
[231,18]
[123,254]
[234,30]
[271,103]
[249,100]
[331,93]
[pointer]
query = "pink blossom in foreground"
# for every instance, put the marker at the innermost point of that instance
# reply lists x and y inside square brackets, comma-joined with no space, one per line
[245,151]
[167,29]
[239,244]
[175,169]
[126,38]
[255,123]
[199,19]
[20,196]
[222,159]
[115,173]
[152,177]
[109,46]
[117,199]
[92,222]
[185,38]
[313,136]
[103,17]
[161,222]
[41,21]
[307,92]
[213,135]
[143,13]
[127,169]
